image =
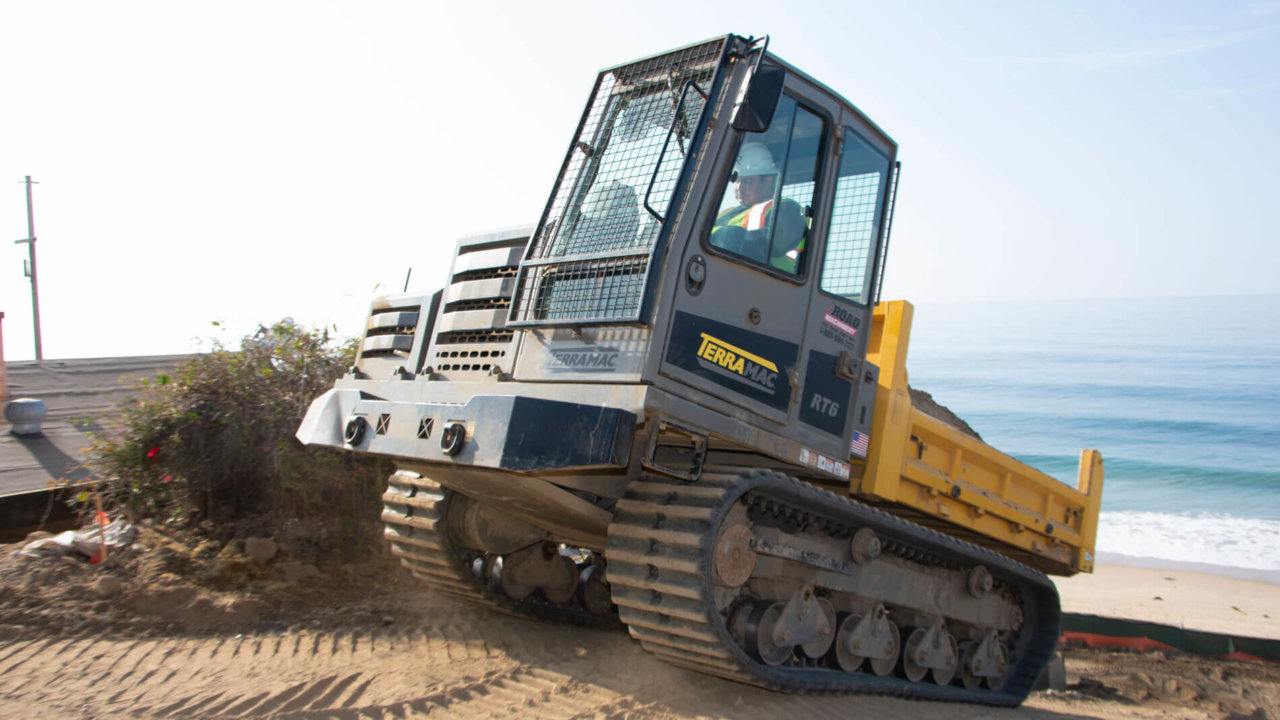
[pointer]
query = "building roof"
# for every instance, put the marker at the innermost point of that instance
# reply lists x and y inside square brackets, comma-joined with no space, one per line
[80,398]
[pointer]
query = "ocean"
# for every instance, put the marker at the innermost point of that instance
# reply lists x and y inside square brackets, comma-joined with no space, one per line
[1181,395]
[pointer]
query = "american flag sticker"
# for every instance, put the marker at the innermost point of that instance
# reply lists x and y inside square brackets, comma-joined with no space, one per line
[859,445]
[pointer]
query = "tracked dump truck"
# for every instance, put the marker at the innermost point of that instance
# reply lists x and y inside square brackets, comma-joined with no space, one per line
[676,402]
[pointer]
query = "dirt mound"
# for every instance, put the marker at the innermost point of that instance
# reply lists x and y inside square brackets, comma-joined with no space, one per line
[170,580]
[925,403]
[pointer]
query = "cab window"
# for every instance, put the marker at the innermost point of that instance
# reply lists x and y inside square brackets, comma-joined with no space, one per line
[767,204]
[856,214]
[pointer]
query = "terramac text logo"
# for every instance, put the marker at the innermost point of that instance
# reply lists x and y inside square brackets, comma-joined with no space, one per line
[721,357]
[583,359]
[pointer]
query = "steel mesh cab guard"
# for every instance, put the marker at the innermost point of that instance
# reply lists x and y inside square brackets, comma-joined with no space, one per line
[591,257]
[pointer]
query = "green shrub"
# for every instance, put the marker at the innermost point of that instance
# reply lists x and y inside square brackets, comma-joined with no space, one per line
[217,437]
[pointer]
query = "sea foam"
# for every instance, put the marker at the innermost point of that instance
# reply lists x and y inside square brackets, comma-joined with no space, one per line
[1199,538]
[1179,394]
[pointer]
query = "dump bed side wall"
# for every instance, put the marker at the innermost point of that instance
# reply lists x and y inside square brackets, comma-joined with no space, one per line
[953,480]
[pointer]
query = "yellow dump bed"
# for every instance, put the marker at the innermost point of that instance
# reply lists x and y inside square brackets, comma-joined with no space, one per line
[920,466]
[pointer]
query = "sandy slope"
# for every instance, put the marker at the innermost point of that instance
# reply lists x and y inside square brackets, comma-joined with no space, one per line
[416,654]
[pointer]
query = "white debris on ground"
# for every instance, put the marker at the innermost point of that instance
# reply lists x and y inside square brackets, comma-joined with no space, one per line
[114,536]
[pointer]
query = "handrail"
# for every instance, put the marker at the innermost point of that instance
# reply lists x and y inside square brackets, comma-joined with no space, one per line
[684,93]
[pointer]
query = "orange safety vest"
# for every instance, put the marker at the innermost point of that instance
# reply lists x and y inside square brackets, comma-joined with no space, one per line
[756,217]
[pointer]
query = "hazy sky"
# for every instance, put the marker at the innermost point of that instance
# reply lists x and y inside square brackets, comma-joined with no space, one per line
[247,161]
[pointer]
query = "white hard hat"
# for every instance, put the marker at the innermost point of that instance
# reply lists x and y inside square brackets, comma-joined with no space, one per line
[754,159]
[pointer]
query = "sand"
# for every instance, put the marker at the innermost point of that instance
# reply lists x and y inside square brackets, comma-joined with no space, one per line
[367,641]
[1181,598]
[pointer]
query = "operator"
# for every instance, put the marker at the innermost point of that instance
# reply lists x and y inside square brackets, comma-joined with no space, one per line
[744,229]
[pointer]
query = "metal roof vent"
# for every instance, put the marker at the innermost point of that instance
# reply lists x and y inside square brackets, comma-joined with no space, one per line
[25,416]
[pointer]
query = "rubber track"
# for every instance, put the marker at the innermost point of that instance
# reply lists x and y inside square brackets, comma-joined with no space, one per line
[413,514]
[660,549]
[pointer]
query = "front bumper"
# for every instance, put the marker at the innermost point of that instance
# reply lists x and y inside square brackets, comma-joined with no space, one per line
[517,433]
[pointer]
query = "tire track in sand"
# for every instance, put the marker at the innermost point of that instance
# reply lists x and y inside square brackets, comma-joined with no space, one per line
[442,659]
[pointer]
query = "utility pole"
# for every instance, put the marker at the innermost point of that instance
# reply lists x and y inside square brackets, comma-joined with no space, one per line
[29,268]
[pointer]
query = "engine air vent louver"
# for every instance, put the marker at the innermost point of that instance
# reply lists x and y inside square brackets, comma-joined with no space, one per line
[390,331]
[472,342]
[477,304]
[486,274]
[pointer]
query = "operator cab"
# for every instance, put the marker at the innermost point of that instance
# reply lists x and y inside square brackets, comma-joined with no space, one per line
[716,230]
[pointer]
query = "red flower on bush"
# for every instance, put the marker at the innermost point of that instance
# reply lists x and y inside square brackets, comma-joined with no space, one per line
[154,454]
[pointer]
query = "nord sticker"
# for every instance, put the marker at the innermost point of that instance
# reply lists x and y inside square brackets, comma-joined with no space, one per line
[840,325]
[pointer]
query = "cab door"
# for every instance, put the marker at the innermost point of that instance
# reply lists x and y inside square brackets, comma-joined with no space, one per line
[738,319]
[838,387]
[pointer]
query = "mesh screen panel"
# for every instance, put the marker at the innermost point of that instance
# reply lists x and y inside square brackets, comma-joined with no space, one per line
[849,243]
[588,260]
[800,192]
[855,217]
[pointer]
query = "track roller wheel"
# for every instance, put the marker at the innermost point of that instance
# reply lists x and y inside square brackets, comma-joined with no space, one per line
[593,591]
[911,668]
[848,660]
[818,648]
[969,680]
[739,617]
[931,648]
[876,644]
[760,637]
[883,666]
[944,675]
[984,662]
[996,682]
